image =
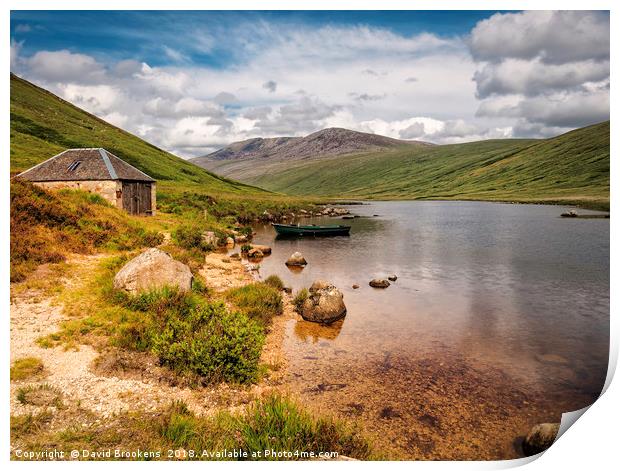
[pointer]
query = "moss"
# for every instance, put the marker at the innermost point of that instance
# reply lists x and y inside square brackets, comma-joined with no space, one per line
[26,368]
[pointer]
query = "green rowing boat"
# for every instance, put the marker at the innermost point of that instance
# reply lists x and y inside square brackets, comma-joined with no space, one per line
[299,230]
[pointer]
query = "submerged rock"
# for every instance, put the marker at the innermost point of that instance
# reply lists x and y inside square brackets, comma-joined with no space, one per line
[153,269]
[379,283]
[355,286]
[296,260]
[263,248]
[325,304]
[540,438]
[255,253]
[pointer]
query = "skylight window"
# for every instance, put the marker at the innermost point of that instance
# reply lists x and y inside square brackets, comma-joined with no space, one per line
[74,165]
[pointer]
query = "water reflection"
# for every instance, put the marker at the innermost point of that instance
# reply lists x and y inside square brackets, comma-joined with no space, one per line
[506,287]
[312,331]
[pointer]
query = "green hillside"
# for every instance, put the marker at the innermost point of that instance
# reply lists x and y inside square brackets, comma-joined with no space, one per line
[572,168]
[43,125]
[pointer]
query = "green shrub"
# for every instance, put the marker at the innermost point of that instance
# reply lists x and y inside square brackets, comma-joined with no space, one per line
[246,248]
[258,300]
[190,237]
[275,282]
[300,298]
[211,342]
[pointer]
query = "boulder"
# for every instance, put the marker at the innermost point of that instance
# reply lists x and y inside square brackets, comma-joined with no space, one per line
[379,283]
[153,269]
[325,304]
[392,277]
[255,253]
[296,260]
[319,285]
[263,248]
[540,438]
[209,238]
[230,242]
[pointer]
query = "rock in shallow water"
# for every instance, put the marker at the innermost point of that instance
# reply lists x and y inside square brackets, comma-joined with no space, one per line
[379,283]
[153,269]
[540,438]
[324,305]
[296,260]
[255,253]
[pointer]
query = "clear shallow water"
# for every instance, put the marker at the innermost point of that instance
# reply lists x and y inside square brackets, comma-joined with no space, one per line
[512,290]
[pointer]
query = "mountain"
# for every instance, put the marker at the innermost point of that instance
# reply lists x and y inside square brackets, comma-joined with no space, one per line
[572,168]
[325,143]
[43,125]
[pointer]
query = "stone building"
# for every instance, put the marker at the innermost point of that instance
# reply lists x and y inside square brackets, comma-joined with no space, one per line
[97,171]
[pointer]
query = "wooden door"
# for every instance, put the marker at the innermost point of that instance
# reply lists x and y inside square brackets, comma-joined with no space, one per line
[137,197]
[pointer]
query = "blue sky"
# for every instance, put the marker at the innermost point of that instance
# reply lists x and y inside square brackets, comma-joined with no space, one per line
[139,35]
[195,81]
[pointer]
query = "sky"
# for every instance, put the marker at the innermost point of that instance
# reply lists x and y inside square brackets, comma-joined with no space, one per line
[193,82]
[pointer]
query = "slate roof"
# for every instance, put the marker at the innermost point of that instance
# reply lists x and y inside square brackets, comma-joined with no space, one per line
[84,164]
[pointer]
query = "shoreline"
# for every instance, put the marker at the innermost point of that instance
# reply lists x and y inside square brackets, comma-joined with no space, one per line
[88,379]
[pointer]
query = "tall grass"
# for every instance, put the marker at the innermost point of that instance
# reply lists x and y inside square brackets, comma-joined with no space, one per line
[260,301]
[46,227]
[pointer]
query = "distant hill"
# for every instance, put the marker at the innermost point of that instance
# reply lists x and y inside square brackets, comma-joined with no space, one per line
[571,168]
[325,143]
[43,125]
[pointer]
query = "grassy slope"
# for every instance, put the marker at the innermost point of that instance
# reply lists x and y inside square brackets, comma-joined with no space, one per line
[43,125]
[571,168]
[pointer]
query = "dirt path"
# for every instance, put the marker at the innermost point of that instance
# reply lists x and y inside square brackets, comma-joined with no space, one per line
[35,315]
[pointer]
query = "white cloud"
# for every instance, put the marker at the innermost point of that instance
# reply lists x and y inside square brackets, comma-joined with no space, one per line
[547,70]
[65,66]
[534,77]
[555,36]
[368,79]
[174,55]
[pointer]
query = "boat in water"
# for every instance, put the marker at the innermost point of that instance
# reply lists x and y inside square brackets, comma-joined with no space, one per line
[311,229]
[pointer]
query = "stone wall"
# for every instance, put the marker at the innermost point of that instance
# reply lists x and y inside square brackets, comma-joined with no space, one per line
[107,189]
[153,198]
[110,190]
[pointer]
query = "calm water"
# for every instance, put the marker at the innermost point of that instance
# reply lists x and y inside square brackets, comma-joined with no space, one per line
[513,291]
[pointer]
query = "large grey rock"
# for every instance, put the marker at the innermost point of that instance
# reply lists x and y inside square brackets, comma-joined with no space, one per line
[540,438]
[296,260]
[153,269]
[325,303]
